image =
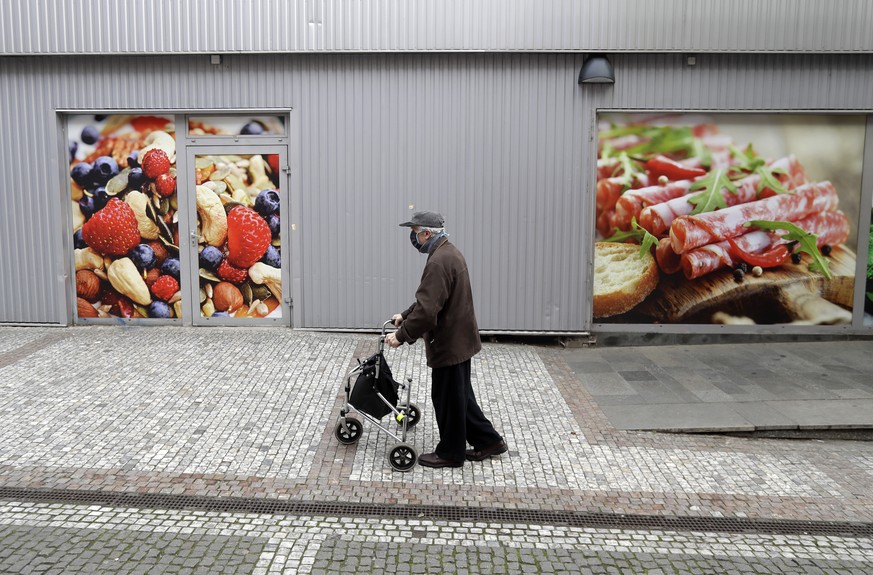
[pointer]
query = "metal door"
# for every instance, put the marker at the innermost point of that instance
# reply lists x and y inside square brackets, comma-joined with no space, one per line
[238,248]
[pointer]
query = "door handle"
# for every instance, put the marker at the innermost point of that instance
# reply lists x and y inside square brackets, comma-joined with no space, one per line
[193,236]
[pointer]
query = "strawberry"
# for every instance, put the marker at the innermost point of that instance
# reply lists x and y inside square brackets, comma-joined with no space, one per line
[231,273]
[165,185]
[113,230]
[273,161]
[248,236]
[165,287]
[155,163]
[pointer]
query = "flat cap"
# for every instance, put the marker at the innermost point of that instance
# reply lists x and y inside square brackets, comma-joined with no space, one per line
[425,219]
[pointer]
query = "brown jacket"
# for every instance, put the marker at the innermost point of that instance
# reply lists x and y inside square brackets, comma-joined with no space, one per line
[443,310]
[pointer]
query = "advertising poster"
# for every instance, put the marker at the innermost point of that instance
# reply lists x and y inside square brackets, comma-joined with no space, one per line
[124,213]
[238,225]
[727,218]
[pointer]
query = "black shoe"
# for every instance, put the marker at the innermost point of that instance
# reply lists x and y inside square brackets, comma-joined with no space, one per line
[486,452]
[434,460]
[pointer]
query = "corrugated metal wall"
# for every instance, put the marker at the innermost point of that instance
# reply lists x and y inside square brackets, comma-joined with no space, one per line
[502,144]
[203,26]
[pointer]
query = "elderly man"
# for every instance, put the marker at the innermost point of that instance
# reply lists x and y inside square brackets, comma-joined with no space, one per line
[443,315]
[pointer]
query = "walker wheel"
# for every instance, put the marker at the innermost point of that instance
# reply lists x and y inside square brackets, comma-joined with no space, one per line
[402,457]
[350,432]
[412,412]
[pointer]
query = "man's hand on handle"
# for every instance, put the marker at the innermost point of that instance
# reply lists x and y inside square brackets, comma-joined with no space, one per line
[392,340]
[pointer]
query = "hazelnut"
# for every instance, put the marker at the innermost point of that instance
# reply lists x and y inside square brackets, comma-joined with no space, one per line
[85,309]
[87,285]
[152,276]
[226,297]
[161,252]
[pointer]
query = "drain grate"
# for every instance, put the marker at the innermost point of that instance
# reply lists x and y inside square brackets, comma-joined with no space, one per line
[466,514]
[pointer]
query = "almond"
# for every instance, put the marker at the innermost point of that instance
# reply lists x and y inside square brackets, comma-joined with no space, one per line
[85,309]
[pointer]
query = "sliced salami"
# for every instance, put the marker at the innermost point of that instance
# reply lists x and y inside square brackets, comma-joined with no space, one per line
[632,202]
[689,232]
[657,217]
[831,228]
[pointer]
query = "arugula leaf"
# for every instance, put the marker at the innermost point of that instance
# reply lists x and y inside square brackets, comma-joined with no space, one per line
[711,199]
[806,242]
[745,162]
[769,180]
[637,233]
[666,140]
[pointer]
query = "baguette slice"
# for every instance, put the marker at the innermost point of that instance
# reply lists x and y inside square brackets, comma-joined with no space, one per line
[622,279]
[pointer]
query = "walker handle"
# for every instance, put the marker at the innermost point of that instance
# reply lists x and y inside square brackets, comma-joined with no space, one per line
[384,325]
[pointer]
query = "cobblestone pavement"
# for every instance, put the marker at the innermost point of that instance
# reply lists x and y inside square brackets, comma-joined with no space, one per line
[250,413]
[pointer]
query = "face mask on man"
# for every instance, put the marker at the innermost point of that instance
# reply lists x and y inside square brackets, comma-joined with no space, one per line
[413,238]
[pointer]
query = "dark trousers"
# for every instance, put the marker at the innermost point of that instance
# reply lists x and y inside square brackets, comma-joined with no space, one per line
[459,418]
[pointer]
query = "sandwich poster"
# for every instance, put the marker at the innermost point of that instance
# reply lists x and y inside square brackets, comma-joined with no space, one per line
[726,218]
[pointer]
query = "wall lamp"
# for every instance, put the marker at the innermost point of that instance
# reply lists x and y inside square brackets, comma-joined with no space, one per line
[597,70]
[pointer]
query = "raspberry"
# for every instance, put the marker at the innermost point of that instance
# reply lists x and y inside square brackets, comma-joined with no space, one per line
[155,163]
[248,236]
[165,287]
[231,273]
[165,185]
[113,230]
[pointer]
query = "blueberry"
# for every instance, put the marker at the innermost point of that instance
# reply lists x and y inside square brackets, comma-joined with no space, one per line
[87,206]
[252,129]
[210,258]
[90,135]
[159,309]
[220,314]
[143,256]
[272,258]
[81,174]
[78,242]
[133,159]
[74,147]
[100,117]
[104,169]
[171,267]
[273,222]
[267,202]
[135,178]
[100,198]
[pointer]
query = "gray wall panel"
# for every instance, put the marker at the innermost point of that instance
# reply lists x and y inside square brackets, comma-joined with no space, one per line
[502,144]
[206,26]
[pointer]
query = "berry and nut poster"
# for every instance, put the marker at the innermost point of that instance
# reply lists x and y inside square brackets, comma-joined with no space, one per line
[727,218]
[238,205]
[125,214]
[125,220]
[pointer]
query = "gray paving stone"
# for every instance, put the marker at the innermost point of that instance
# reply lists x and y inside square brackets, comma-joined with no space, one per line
[843,413]
[681,416]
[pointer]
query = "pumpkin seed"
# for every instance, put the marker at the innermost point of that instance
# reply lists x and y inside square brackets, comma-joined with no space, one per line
[165,205]
[203,162]
[169,244]
[208,275]
[118,183]
[247,293]
[220,174]
[142,311]
[260,292]
[231,205]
